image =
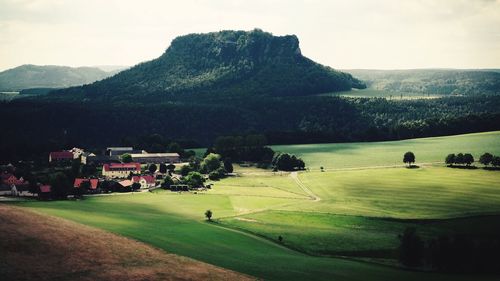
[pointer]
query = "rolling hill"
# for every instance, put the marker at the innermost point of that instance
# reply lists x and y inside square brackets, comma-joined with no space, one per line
[226,63]
[40,247]
[48,76]
[458,82]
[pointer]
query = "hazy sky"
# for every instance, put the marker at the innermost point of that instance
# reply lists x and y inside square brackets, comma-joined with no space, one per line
[382,34]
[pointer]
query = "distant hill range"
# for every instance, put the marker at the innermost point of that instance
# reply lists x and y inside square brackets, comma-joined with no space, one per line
[226,63]
[42,78]
[432,81]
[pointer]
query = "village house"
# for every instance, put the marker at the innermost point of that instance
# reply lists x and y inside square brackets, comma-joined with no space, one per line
[77,152]
[92,159]
[126,183]
[146,181]
[155,158]
[45,191]
[118,151]
[93,183]
[60,156]
[120,170]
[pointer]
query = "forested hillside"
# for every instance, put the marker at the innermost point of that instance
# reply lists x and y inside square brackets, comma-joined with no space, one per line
[226,63]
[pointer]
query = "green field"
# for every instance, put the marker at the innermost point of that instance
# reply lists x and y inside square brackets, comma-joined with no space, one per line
[174,222]
[367,154]
[361,212]
[341,212]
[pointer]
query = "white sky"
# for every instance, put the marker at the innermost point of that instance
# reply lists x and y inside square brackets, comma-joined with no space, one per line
[383,34]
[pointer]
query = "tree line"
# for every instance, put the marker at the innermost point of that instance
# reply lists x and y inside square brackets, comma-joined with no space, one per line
[467,159]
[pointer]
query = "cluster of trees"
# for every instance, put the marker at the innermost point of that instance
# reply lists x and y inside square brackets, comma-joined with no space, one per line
[194,173]
[450,253]
[467,159]
[488,158]
[243,148]
[287,162]
[459,159]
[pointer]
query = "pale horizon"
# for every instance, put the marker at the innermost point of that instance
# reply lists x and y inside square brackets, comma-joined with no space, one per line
[358,34]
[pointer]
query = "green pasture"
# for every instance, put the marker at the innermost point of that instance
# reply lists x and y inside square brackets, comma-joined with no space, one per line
[357,212]
[389,153]
[319,233]
[427,192]
[175,222]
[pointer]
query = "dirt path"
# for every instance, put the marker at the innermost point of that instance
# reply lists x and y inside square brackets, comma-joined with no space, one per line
[304,188]
[41,247]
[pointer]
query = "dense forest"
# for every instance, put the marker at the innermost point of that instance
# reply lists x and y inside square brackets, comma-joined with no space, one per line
[32,127]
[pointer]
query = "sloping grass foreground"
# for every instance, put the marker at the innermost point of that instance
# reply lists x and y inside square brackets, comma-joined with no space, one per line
[174,222]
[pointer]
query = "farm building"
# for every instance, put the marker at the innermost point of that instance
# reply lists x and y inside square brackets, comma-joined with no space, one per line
[117,151]
[92,159]
[147,181]
[60,156]
[93,183]
[120,170]
[156,158]
[126,183]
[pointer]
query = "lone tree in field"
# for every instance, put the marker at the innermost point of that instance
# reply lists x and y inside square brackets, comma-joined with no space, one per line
[409,158]
[450,159]
[486,159]
[208,214]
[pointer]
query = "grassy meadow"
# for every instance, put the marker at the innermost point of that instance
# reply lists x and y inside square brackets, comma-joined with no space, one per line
[389,153]
[321,215]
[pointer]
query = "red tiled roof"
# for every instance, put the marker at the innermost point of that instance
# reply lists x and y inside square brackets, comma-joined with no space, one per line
[149,179]
[94,183]
[78,182]
[45,188]
[126,183]
[61,155]
[135,166]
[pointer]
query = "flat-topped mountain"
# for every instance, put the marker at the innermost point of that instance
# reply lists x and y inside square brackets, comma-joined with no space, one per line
[30,76]
[225,63]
